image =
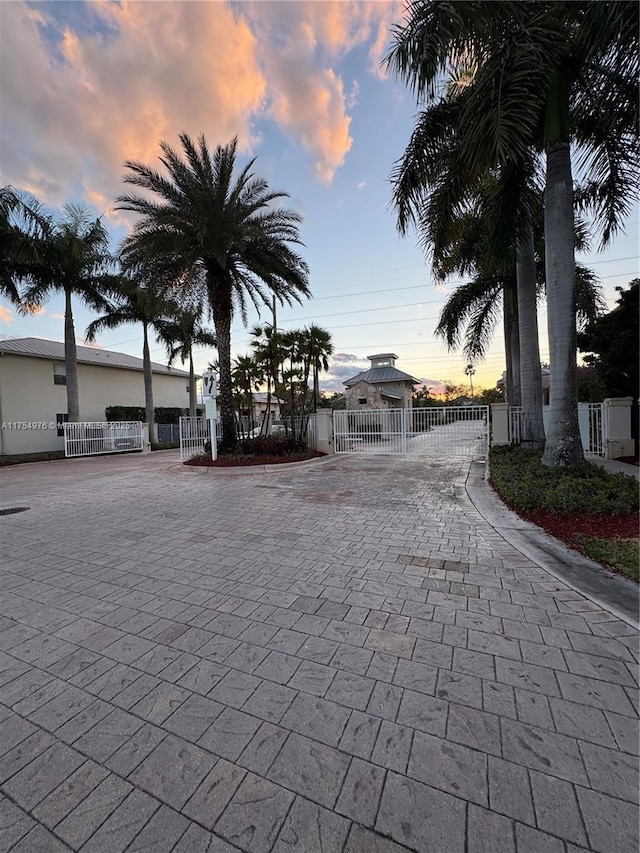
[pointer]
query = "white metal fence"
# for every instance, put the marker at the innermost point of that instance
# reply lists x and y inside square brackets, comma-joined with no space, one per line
[168,433]
[430,431]
[591,421]
[194,433]
[90,438]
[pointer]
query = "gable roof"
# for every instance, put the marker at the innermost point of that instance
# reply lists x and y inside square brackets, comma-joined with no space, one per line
[261,397]
[54,350]
[378,375]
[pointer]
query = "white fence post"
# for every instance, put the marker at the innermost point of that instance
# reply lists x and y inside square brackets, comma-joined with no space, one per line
[213,438]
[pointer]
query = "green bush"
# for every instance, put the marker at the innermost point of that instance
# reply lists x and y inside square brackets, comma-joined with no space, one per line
[169,414]
[525,483]
[125,413]
[161,414]
[269,445]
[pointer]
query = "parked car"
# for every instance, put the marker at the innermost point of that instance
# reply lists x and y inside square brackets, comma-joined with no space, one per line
[276,429]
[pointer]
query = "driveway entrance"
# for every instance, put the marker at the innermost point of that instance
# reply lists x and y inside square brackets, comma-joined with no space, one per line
[441,433]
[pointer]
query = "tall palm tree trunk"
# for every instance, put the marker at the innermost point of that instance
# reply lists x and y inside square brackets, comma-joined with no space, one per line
[315,387]
[532,430]
[222,325]
[71,360]
[148,384]
[192,386]
[563,445]
[512,345]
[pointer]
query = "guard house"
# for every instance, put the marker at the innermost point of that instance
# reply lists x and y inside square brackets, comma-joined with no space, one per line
[382,386]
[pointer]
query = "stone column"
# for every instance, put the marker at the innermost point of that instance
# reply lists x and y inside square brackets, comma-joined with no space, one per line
[146,444]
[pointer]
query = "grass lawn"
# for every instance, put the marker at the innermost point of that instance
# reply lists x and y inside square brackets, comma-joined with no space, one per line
[19,458]
[619,554]
[589,509]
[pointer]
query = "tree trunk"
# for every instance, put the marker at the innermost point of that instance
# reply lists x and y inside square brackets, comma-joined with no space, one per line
[222,324]
[148,384]
[563,445]
[315,386]
[532,428]
[192,386]
[512,345]
[71,360]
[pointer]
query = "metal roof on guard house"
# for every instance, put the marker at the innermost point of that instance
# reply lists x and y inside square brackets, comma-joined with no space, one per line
[382,369]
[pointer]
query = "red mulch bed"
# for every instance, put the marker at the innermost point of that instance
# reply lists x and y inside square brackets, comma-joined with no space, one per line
[629,460]
[569,525]
[245,461]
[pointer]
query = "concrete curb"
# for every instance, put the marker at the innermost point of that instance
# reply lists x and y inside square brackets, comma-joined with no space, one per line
[616,594]
[250,469]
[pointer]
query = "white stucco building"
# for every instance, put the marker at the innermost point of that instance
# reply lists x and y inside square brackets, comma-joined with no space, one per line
[33,389]
[383,386]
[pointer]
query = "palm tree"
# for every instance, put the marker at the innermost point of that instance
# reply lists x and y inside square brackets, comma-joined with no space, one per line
[226,228]
[319,348]
[23,224]
[248,376]
[269,354]
[473,220]
[135,302]
[180,334]
[291,342]
[74,257]
[544,75]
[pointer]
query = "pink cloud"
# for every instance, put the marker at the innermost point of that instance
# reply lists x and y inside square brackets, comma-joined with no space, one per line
[6,315]
[113,97]
[147,71]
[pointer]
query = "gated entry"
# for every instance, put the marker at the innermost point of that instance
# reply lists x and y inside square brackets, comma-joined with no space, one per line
[430,431]
[194,434]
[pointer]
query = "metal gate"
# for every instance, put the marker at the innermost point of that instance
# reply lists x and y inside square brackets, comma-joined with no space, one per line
[194,432]
[445,431]
[90,438]
[591,421]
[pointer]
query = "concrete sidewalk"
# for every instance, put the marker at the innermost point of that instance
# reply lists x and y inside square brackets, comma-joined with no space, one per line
[351,656]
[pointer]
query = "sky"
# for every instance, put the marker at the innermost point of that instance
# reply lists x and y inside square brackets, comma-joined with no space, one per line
[86,86]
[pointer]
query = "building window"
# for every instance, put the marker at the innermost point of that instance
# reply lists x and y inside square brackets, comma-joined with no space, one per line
[61,419]
[187,389]
[59,374]
[362,401]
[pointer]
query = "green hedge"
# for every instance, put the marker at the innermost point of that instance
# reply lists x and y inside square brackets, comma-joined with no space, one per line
[126,413]
[162,414]
[525,483]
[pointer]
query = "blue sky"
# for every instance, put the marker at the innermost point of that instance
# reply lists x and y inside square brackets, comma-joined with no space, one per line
[85,86]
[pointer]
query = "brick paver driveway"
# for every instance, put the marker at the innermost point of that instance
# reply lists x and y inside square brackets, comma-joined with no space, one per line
[342,657]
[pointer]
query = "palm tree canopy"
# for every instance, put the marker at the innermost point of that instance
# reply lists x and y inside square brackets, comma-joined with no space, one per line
[213,226]
[182,331]
[518,55]
[207,221]
[318,345]
[23,223]
[73,256]
[131,302]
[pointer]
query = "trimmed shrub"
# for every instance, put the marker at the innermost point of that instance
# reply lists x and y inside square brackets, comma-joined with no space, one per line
[269,445]
[524,483]
[161,414]
[125,413]
[169,414]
